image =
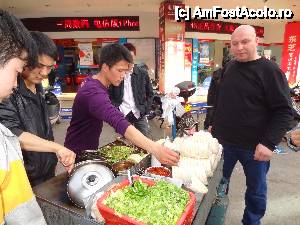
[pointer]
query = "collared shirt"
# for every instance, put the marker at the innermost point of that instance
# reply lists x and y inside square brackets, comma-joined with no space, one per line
[128,103]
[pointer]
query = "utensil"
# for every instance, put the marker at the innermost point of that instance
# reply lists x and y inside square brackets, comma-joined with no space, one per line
[86,179]
[120,168]
[129,177]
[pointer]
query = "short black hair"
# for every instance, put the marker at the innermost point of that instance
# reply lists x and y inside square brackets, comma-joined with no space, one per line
[114,53]
[130,47]
[14,39]
[44,44]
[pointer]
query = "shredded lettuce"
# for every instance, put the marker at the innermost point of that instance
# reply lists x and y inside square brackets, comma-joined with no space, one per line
[161,204]
[117,153]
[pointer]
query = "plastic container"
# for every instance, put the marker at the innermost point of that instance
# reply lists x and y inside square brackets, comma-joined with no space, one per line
[111,218]
[158,171]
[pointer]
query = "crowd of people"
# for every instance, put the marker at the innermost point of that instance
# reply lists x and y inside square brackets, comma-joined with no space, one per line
[29,154]
[251,113]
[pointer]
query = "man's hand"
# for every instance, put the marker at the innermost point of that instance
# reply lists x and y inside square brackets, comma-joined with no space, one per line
[165,155]
[67,158]
[295,136]
[262,153]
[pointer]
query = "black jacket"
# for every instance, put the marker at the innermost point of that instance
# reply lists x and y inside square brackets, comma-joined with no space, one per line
[253,105]
[18,113]
[141,89]
[211,96]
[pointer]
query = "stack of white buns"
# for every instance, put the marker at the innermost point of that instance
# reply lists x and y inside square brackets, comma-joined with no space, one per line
[199,157]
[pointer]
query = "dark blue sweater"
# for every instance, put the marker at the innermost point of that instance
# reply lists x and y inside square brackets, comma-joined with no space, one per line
[253,105]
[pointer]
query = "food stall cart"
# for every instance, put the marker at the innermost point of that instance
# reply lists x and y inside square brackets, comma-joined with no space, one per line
[58,209]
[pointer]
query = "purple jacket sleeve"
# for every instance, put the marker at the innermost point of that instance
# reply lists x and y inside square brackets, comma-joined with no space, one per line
[101,108]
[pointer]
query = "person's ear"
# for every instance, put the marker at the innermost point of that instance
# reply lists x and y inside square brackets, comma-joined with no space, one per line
[105,67]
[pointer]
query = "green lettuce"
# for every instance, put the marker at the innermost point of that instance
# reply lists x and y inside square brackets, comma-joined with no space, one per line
[161,204]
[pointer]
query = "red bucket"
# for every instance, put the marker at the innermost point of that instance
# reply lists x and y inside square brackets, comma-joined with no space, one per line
[111,218]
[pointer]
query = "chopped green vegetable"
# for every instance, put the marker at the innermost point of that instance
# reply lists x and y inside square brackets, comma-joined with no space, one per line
[161,204]
[115,154]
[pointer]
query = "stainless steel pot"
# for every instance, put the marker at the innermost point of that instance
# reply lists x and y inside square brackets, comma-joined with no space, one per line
[86,179]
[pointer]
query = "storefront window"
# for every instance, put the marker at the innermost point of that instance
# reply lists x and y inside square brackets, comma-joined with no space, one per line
[206,59]
[145,53]
[275,52]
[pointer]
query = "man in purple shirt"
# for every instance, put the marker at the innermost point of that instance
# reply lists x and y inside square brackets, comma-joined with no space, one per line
[92,106]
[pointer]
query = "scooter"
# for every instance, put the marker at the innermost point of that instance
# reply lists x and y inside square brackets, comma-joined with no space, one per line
[186,123]
[295,93]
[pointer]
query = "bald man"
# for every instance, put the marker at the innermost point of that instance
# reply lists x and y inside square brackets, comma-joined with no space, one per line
[252,113]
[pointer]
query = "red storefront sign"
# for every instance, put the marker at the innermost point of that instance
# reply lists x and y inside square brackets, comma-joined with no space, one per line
[64,42]
[290,53]
[211,26]
[58,24]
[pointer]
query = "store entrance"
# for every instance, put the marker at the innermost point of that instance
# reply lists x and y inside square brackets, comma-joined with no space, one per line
[76,61]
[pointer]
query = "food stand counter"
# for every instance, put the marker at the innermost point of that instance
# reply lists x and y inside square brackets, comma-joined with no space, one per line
[58,209]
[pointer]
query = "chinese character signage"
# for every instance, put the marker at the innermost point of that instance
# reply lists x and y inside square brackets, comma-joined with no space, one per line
[188,54]
[211,26]
[59,24]
[290,53]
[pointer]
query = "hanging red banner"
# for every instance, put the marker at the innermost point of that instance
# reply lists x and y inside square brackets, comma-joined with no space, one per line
[188,54]
[290,53]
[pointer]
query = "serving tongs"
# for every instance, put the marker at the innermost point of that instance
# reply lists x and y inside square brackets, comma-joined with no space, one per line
[129,177]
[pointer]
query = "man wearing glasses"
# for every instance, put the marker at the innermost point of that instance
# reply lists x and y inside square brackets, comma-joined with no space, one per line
[25,114]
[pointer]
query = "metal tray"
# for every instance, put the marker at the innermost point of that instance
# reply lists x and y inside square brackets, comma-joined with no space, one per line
[138,168]
[96,153]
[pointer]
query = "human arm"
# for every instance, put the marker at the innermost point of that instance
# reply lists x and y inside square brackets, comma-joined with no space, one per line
[101,108]
[31,142]
[262,153]
[163,154]
[280,108]
[10,118]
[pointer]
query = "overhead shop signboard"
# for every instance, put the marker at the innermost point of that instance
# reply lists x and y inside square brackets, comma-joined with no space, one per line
[63,24]
[211,26]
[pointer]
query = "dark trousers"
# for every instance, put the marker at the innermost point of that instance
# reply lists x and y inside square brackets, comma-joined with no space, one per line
[256,173]
[141,124]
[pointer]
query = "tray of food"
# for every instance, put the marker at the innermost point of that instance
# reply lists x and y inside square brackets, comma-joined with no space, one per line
[119,156]
[146,202]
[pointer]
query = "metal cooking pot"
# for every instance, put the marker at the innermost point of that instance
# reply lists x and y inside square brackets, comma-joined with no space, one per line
[86,179]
